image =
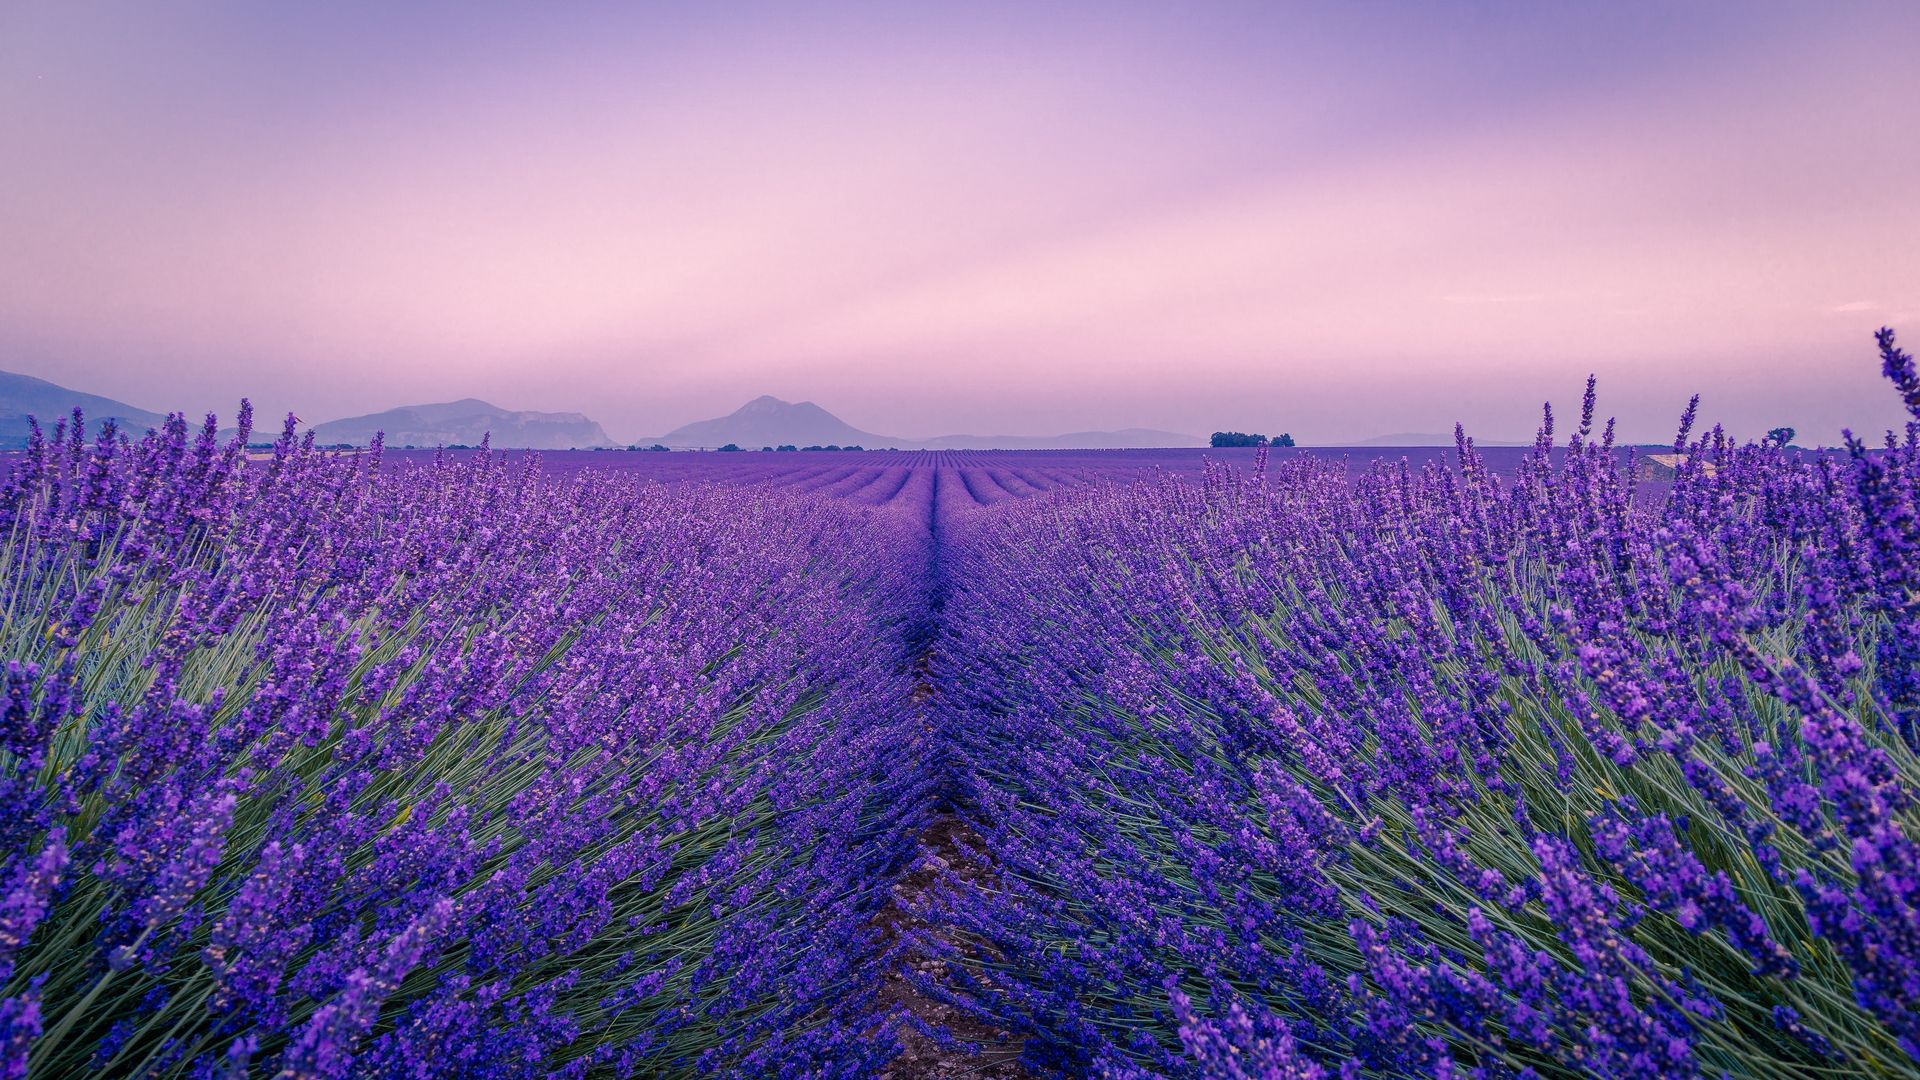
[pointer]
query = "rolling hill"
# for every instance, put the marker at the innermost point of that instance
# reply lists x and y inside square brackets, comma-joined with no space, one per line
[769,421]
[22,396]
[466,422]
[1123,439]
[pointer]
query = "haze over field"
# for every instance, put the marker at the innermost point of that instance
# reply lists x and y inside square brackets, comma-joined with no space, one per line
[1343,222]
[765,422]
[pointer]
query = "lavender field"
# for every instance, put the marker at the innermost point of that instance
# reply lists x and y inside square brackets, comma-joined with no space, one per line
[1490,763]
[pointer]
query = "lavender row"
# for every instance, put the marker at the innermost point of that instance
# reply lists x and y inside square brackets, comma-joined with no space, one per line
[314,768]
[1444,772]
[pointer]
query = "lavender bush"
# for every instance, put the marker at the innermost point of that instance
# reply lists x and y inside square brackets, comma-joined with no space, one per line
[312,768]
[323,765]
[1442,773]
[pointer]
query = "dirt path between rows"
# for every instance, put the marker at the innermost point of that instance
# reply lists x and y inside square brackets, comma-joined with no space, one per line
[948,858]
[945,860]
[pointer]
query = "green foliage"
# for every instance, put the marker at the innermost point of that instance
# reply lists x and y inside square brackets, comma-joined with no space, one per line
[1236,438]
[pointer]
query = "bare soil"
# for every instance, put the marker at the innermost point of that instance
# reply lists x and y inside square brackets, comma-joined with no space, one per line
[946,859]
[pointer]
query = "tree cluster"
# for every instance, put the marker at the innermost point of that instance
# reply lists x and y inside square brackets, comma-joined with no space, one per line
[1237,438]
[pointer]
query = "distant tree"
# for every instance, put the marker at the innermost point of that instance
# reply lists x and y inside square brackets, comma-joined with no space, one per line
[853,448]
[1780,436]
[1283,439]
[1235,438]
[786,446]
[731,448]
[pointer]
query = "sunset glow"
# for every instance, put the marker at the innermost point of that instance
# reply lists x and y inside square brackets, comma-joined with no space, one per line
[989,219]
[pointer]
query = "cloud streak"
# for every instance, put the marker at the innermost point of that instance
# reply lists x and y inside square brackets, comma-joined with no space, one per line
[996,218]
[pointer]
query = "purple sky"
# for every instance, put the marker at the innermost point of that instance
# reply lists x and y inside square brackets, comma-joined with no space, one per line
[1340,220]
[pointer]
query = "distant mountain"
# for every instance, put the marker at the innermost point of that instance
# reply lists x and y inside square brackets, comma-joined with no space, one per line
[1124,439]
[22,396]
[768,421]
[1427,438]
[1408,438]
[466,422]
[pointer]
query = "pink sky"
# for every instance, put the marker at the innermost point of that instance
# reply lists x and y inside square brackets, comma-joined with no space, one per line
[1339,221]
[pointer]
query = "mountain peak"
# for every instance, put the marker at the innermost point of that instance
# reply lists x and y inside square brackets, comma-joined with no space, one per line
[22,396]
[465,422]
[770,421]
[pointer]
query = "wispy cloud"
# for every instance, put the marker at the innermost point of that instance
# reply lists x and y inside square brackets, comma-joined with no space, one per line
[1201,221]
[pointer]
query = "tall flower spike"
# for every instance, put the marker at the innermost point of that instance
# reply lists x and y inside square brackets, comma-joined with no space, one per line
[1686,424]
[1586,409]
[1898,367]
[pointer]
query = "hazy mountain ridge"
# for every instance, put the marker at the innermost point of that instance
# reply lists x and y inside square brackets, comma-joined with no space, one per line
[1122,439]
[22,396]
[769,421]
[466,422]
[764,421]
[1428,438]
